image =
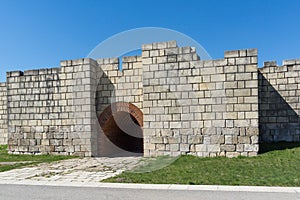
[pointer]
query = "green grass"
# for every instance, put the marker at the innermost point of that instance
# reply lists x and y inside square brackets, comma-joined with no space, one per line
[27,159]
[274,168]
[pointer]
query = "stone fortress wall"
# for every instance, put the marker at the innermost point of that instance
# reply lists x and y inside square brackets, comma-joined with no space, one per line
[279,102]
[206,108]
[52,110]
[179,104]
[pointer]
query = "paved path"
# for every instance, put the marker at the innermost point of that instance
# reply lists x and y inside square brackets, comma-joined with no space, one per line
[85,170]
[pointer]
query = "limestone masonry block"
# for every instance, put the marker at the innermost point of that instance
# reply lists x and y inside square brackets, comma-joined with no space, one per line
[231,54]
[252,52]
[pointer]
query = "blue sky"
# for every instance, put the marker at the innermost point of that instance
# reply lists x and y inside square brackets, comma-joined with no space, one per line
[40,33]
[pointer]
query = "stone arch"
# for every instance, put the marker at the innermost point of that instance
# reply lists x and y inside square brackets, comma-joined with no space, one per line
[121,107]
[122,125]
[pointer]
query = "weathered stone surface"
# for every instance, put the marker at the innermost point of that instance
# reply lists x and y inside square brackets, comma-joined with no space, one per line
[207,108]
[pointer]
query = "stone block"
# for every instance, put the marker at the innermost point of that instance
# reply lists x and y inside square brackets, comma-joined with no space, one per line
[229,85]
[252,52]
[218,123]
[160,147]
[170,59]
[195,139]
[228,148]
[174,140]
[201,148]
[213,148]
[242,123]
[289,62]
[217,139]
[219,62]
[242,107]
[217,77]
[254,139]
[243,61]
[55,142]
[184,147]
[174,147]
[252,131]
[231,139]
[231,54]
[251,84]
[209,131]
[147,61]
[156,125]
[149,146]
[154,53]
[161,59]
[242,53]
[252,68]
[230,115]
[243,76]
[207,86]
[240,147]
[251,115]
[147,47]
[171,51]
[207,71]
[242,92]
[175,125]
[232,154]
[156,140]
[251,147]
[243,139]
[145,54]
[171,44]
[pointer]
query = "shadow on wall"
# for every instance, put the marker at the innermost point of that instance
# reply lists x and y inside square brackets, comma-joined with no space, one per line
[278,122]
[267,147]
[105,95]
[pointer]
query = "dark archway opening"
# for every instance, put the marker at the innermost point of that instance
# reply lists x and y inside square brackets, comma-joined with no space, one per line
[122,130]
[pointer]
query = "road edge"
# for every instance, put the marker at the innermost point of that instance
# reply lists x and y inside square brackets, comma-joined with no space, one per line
[156,186]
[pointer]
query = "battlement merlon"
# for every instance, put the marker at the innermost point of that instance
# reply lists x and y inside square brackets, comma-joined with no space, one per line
[81,61]
[291,62]
[160,45]
[241,53]
[14,74]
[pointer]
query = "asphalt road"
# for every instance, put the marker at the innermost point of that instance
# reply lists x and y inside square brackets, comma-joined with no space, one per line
[24,192]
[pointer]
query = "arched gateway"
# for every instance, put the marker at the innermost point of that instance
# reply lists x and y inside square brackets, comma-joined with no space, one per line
[121,123]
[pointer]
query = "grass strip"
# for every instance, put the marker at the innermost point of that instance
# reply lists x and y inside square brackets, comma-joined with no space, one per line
[30,159]
[273,168]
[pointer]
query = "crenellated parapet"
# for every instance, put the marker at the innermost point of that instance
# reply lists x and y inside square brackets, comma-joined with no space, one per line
[177,102]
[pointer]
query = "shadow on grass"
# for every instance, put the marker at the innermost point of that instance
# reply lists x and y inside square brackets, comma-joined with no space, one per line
[267,147]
